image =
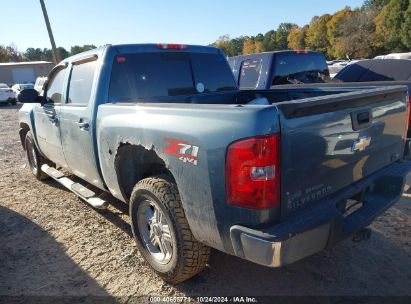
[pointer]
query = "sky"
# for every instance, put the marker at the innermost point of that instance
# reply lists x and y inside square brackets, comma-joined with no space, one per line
[78,22]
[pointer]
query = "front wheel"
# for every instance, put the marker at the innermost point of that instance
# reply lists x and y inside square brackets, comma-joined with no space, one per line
[162,233]
[34,158]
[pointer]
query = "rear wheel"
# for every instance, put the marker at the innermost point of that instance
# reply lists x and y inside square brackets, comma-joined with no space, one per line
[35,160]
[162,233]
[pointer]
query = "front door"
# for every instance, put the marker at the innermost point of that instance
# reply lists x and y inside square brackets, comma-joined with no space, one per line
[76,123]
[46,118]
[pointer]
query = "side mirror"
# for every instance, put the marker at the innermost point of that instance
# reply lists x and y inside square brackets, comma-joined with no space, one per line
[29,96]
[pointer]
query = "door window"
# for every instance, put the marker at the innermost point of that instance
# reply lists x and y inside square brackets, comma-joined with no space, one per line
[55,87]
[81,83]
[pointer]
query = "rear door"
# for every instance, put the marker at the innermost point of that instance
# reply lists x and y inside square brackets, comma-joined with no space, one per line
[76,121]
[330,142]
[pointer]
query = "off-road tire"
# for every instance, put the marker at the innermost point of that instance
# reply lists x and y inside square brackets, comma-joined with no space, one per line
[189,256]
[31,151]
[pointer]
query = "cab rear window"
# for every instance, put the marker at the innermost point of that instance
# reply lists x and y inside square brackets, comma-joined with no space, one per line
[145,75]
[292,63]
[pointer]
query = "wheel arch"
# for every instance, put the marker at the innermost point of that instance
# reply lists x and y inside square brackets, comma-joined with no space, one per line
[24,129]
[135,162]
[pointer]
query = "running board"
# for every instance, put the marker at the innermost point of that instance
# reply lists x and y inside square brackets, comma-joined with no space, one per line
[78,189]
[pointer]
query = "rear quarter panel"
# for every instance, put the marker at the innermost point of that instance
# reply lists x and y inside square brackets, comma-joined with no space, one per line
[202,186]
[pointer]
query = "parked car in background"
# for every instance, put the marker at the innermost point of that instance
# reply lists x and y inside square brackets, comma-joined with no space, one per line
[7,95]
[38,85]
[263,70]
[376,70]
[395,56]
[18,87]
[270,176]
[337,65]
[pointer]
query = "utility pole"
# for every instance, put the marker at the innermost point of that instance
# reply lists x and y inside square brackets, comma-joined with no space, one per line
[56,58]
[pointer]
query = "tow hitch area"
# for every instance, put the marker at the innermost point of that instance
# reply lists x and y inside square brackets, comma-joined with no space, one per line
[362,235]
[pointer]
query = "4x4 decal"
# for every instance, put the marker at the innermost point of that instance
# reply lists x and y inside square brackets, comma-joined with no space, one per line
[182,149]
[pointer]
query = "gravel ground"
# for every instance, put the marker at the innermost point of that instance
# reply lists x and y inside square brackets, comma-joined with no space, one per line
[54,244]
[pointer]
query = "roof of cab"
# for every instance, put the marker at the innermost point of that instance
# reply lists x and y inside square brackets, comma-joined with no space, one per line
[277,52]
[137,48]
[125,48]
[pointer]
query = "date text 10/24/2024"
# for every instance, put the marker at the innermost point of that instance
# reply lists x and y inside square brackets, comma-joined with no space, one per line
[203,299]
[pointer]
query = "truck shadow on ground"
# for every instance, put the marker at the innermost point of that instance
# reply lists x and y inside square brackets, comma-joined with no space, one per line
[33,263]
[114,214]
[369,268]
[372,267]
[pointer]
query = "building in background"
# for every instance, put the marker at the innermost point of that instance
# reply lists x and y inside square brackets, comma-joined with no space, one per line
[23,72]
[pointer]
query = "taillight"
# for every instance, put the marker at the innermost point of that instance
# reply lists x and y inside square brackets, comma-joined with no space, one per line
[168,46]
[253,172]
[301,52]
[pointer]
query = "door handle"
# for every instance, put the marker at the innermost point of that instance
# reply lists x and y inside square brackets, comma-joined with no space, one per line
[83,125]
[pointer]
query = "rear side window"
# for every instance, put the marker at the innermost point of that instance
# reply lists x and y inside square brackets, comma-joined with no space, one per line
[81,83]
[55,87]
[250,73]
[157,74]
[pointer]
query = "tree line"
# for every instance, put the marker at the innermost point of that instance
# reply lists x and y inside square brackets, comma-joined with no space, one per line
[378,27]
[11,54]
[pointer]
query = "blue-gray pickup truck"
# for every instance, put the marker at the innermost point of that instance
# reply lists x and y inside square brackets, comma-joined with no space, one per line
[271,176]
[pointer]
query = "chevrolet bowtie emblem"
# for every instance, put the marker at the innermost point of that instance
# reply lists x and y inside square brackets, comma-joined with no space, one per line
[360,144]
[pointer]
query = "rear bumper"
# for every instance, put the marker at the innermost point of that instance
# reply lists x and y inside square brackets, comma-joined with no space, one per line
[322,225]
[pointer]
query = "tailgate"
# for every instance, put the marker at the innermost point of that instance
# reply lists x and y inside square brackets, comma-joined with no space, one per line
[329,142]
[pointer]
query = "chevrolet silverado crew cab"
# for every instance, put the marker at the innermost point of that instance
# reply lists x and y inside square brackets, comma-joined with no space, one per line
[271,176]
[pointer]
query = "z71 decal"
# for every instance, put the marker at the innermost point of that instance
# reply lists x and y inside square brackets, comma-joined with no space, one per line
[183,150]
